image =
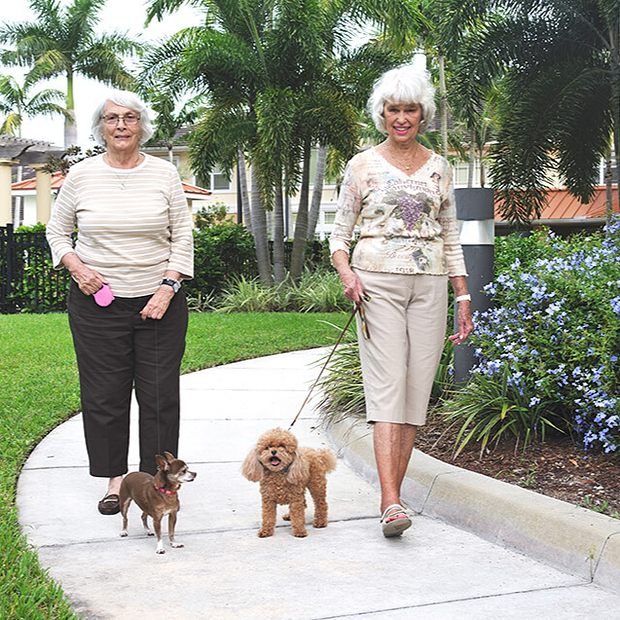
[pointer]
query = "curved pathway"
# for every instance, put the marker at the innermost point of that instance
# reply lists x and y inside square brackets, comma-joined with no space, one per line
[348,570]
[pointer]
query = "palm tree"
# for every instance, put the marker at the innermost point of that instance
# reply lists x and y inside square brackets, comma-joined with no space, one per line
[16,103]
[557,65]
[273,71]
[63,41]
[170,117]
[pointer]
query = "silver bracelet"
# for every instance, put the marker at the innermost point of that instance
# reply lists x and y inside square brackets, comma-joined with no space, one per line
[466,297]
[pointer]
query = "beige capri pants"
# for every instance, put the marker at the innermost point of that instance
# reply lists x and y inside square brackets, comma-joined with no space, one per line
[406,318]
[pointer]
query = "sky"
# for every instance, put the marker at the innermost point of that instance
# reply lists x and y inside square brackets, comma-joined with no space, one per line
[126,16]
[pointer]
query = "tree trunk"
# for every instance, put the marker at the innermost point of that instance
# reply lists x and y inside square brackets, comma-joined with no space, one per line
[279,270]
[443,105]
[317,191]
[609,209]
[243,184]
[472,157]
[301,225]
[614,39]
[71,137]
[259,230]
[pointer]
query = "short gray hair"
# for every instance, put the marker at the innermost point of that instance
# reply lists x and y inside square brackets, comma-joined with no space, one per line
[127,100]
[406,84]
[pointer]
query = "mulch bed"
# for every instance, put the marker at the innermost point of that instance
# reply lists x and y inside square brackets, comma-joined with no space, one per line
[556,468]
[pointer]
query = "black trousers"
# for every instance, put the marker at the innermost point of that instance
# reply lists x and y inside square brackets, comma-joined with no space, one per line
[117,351]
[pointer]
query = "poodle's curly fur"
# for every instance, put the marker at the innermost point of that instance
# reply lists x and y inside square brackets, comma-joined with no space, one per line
[285,471]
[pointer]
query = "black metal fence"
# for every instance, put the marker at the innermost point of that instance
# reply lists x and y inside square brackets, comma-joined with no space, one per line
[28,281]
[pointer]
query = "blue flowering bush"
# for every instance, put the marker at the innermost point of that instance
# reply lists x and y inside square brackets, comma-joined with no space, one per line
[547,352]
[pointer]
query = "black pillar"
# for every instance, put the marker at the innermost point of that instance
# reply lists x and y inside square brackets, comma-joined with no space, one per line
[474,210]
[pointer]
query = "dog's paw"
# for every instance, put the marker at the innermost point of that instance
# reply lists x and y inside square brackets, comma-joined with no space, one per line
[265,533]
[300,534]
[287,516]
[123,533]
[319,524]
[176,545]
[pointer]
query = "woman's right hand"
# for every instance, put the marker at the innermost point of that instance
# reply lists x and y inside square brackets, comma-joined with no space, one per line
[353,288]
[88,280]
[352,284]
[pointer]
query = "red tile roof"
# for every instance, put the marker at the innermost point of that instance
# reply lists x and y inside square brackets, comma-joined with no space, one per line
[58,179]
[561,205]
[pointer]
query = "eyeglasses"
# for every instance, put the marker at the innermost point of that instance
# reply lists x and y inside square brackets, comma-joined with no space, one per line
[113,119]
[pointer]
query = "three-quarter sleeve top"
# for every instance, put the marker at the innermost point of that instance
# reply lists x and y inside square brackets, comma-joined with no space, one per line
[407,222]
[132,225]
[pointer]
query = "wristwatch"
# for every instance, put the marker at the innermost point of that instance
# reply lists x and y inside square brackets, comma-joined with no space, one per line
[175,284]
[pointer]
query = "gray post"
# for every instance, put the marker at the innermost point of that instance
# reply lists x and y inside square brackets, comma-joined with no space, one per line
[475,213]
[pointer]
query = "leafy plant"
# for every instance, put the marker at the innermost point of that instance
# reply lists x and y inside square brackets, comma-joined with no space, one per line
[248,295]
[548,349]
[318,291]
[491,407]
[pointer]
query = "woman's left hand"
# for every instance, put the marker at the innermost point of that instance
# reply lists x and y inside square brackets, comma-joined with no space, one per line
[465,325]
[158,303]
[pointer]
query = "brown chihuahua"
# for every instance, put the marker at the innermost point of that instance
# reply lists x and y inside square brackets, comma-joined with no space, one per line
[156,495]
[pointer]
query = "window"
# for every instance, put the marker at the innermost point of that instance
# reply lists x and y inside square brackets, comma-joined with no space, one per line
[218,180]
[461,171]
[614,171]
[330,217]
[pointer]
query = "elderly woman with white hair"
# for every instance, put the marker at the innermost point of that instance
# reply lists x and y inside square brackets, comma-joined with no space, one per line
[127,310]
[401,194]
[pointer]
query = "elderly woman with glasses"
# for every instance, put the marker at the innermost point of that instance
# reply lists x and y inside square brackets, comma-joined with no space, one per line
[401,194]
[127,310]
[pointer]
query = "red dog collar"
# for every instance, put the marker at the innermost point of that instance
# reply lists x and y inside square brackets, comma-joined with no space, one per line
[165,491]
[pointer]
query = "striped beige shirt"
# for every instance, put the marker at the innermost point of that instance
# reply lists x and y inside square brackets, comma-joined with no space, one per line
[133,225]
[407,222]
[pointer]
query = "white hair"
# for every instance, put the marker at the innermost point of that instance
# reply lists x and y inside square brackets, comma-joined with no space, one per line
[406,84]
[127,100]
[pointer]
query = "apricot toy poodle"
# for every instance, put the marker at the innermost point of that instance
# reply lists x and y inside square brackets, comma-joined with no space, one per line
[285,471]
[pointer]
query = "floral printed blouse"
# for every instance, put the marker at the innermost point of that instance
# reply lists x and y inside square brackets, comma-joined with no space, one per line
[407,222]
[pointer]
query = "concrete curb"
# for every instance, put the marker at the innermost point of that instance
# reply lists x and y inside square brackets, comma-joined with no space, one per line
[570,538]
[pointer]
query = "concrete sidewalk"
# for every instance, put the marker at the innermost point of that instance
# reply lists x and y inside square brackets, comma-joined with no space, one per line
[348,570]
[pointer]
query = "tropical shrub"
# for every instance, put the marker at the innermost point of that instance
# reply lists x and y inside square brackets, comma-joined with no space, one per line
[316,291]
[220,249]
[548,349]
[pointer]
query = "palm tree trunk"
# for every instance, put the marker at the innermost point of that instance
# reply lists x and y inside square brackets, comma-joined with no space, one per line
[259,230]
[317,191]
[301,224]
[609,210]
[443,105]
[279,270]
[614,38]
[243,184]
[472,157]
[71,137]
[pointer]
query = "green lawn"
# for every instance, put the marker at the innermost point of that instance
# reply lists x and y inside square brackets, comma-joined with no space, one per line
[39,390]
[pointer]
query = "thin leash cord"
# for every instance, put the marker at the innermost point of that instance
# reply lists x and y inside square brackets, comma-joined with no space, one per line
[340,337]
[157,385]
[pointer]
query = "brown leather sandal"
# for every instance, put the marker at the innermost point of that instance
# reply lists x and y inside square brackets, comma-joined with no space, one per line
[109,505]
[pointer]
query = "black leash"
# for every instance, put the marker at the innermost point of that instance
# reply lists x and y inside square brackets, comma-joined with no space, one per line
[356,308]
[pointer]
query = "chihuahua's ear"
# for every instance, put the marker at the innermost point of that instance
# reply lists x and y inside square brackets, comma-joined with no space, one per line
[169,457]
[251,468]
[162,463]
[299,470]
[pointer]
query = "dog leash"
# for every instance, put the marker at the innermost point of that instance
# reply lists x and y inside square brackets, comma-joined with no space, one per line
[357,308]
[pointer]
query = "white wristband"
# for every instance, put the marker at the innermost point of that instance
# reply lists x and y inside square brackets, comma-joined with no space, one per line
[463,297]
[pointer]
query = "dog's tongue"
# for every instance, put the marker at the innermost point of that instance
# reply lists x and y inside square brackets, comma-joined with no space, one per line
[275,461]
